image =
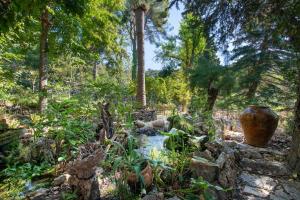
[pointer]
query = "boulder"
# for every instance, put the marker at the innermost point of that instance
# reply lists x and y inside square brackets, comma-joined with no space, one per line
[139,123]
[147,130]
[204,154]
[228,169]
[145,115]
[160,124]
[203,167]
[39,194]
[59,180]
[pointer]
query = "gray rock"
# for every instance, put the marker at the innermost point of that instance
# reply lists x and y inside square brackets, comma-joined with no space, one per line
[205,154]
[280,195]
[252,198]
[265,167]
[256,192]
[173,198]
[228,170]
[293,189]
[250,153]
[149,131]
[59,180]
[202,167]
[154,196]
[39,194]
[263,182]
[145,115]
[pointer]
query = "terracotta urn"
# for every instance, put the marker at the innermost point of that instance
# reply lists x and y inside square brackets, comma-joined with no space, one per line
[259,124]
[146,173]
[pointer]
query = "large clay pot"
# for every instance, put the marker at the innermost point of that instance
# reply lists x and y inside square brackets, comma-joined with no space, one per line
[259,124]
[146,173]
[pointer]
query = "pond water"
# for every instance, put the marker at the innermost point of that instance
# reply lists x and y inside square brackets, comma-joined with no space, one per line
[150,144]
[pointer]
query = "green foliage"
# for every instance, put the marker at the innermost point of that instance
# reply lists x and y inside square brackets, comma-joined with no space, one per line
[193,41]
[17,176]
[68,123]
[181,123]
[69,196]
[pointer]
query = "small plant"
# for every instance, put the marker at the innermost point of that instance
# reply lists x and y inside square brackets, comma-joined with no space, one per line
[181,123]
[134,168]
[15,179]
[69,195]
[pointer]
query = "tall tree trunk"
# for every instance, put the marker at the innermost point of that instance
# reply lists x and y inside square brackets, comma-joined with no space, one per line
[294,157]
[212,97]
[132,34]
[139,19]
[252,90]
[43,76]
[134,58]
[95,70]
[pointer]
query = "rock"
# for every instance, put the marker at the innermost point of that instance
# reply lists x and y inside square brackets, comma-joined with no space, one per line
[39,194]
[139,123]
[256,192]
[154,196]
[214,147]
[293,189]
[83,171]
[231,135]
[279,194]
[253,198]
[149,131]
[264,182]
[265,167]
[250,153]
[159,123]
[221,160]
[145,115]
[173,198]
[59,180]
[205,154]
[202,167]
[228,170]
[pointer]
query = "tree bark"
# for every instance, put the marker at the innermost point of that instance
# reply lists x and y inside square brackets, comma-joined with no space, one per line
[132,34]
[212,97]
[294,157]
[252,90]
[95,70]
[134,58]
[43,75]
[141,93]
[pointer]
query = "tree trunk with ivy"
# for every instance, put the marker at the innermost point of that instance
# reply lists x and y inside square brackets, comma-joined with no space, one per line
[43,76]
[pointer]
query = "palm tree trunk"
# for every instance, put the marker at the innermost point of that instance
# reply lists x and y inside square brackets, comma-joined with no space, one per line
[43,76]
[294,157]
[141,93]
[134,58]
[132,34]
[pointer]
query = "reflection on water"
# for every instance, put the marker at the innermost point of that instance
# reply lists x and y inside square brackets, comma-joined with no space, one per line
[151,143]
